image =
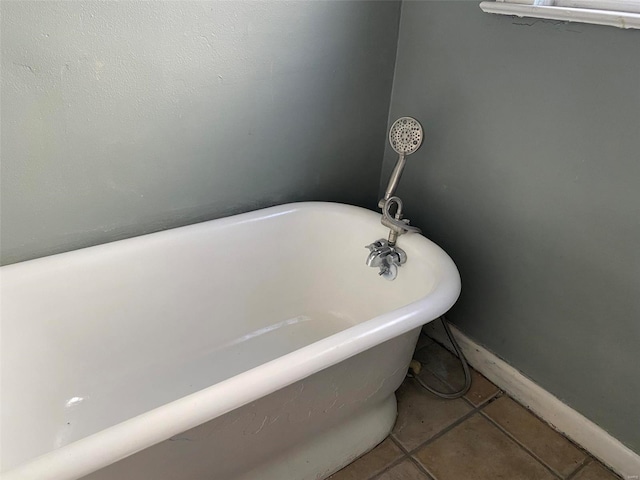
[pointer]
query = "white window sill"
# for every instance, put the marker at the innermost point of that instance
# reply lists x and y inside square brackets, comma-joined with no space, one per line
[565,14]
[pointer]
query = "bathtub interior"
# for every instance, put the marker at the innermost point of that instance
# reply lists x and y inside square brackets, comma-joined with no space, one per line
[97,336]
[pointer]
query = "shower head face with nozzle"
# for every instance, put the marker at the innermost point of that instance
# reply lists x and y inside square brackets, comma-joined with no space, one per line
[406,135]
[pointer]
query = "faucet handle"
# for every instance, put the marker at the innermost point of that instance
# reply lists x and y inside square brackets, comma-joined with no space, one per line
[389,271]
[377,245]
[398,257]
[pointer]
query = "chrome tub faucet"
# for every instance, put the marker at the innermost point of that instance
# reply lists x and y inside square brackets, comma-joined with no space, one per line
[405,137]
[385,257]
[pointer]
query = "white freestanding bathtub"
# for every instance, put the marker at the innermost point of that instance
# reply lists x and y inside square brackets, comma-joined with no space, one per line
[258,346]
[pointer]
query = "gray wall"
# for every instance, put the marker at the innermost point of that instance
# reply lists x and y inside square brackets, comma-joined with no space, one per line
[530,179]
[122,118]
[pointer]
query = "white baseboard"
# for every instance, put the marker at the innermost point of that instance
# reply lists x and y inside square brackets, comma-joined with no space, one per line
[560,416]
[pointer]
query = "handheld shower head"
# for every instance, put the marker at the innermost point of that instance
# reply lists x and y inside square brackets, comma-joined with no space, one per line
[405,137]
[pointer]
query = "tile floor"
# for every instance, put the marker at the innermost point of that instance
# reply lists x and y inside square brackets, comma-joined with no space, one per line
[484,436]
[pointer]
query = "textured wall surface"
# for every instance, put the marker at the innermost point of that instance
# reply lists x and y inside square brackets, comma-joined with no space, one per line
[122,118]
[530,178]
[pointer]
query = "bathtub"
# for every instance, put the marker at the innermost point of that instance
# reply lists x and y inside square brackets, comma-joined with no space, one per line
[258,346]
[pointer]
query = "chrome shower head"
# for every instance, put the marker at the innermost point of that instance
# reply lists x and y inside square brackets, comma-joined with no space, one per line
[405,137]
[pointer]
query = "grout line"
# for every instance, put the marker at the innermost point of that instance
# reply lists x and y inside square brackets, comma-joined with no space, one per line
[588,458]
[560,416]
[478,409]
[486,401]
[393,464]
[522,446]
[587,454]
[581,467]
[442,432]
[398,444]
[422,468]
[500,393]
[584,451]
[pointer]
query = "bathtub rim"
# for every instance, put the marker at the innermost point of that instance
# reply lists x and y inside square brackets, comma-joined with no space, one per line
[126,438]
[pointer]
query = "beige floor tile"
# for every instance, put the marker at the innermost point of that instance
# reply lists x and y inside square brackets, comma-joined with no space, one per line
[476,449]
[595,471]
[481,389]
[548,445]
[422,415]
[406,470]
[370,464]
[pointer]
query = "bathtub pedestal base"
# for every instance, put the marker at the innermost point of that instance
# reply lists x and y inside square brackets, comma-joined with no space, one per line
[329,451]
[315,458]
[305,431]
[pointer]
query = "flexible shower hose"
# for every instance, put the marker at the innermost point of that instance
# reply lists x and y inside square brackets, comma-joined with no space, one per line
[463,361]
